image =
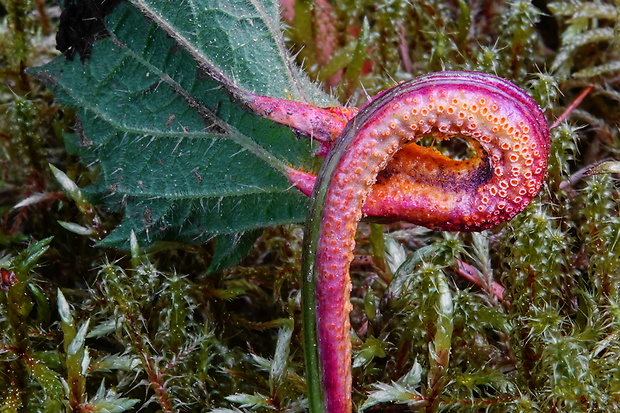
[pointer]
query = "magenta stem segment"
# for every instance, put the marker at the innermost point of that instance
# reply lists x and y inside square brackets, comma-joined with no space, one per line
[501,122]
[322,124]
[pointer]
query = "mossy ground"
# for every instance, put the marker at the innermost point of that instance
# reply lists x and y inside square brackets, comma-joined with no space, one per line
[89,329]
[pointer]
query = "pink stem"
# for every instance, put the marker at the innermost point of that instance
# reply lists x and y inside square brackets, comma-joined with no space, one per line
[511,139]
[322,124]
[572,107]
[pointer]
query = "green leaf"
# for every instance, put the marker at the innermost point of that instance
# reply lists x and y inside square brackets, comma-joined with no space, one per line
[394,393]
[238,41]
[108,401]
[49,382]
[605,167]
[278,368]
[64,311]
[601,11]
[372,347]
[160,116]
[591,36]
[230,248]
[67,184]
[403,391]
[253,401]
[612,66]
[105,328]
[76,228]
[395,254]
[28,259]
[404,272]
[77,344]
[116,362]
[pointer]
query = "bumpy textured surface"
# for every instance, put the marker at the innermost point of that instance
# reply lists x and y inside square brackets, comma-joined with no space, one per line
[422,186]
[507,131]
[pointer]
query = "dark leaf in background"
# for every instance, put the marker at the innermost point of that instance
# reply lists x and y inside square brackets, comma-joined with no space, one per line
[81,24]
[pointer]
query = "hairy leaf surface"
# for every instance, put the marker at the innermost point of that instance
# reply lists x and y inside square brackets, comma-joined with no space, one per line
[159,115]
